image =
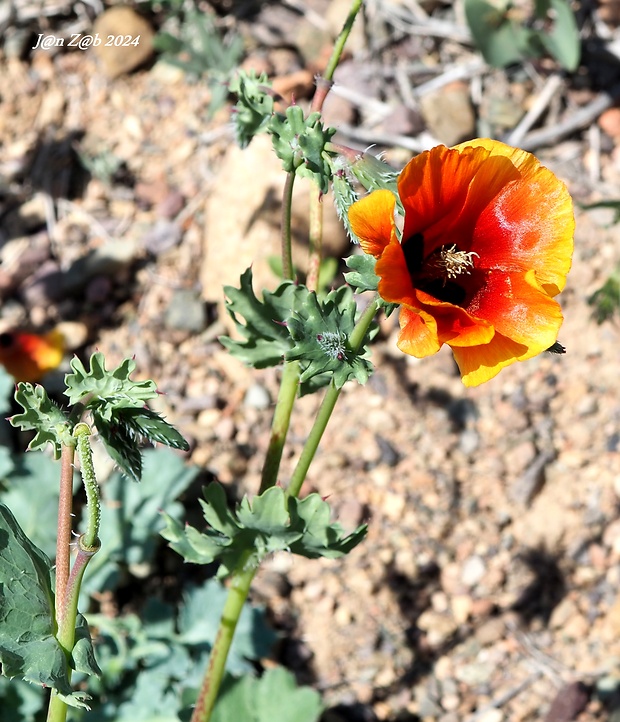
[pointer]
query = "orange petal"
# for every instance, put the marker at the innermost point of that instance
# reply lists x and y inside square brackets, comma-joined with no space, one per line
[443,191]
[478,364]
[395,285]
[372,221]
[418,333]
[519,309]
[455,326]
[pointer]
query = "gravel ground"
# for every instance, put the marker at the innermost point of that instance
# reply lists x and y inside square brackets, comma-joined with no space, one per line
[487,587]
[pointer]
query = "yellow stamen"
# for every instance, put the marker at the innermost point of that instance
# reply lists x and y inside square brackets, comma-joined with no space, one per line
[453,263]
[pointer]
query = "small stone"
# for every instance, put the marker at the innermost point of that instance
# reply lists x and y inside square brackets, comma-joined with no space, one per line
[257,397]
[461,606]
[569,703]
[473,570]
[491,715]
[438,627]
[186,312]
[448,113]
[162,236]
[490,632]
[122,22]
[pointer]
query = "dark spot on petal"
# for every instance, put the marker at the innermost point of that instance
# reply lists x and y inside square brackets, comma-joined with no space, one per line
[6,340]
[448,291]
[413,249]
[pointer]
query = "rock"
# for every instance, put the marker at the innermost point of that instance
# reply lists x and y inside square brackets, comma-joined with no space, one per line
[251,182]
[122,22]
[569,703]
[473,570]
[448,113]
[162,236]
[257,397]
[186,312]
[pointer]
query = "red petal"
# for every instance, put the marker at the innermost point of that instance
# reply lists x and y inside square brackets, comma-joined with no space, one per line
[443,191]
[520,309]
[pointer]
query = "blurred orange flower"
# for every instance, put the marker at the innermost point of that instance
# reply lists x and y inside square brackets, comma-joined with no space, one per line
[29,356]
[486,244]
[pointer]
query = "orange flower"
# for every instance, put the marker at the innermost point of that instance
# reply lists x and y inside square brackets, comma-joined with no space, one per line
[486,245]
[28,356]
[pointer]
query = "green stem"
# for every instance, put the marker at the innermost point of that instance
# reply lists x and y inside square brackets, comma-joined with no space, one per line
[237,594]
[57,710]
[287,204]
[325,82]
[327,406]
[287,394]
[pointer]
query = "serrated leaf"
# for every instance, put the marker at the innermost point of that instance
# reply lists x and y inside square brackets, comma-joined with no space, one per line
[148,425]
[28,646]
[254,106]
[268,523]
[362,276]
[107,390]
[42,415]
[121,445]
[266,338]
[320,538]
[300,144]
[320,332]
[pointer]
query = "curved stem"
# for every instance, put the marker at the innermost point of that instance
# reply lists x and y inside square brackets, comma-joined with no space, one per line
[287,204]
[287,394]
[324,83]
[327,406]
[237,594]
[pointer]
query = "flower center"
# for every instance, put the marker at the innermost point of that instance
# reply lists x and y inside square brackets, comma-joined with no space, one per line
[442,273]
[450,262]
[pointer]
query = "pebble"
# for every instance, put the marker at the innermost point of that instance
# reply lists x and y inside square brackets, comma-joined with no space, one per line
[257,397]
[491,715]
[121,21]
[448,113]
[162,236]
[186,312]
[473,570]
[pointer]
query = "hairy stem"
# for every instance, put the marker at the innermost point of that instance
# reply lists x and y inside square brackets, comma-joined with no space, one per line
[237,594]
[289,384]
[315,237]
[327,406]
[90,540]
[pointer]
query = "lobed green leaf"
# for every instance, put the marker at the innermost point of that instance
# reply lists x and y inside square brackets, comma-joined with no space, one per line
[42,415]
[268,523]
